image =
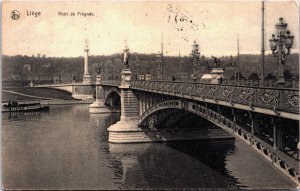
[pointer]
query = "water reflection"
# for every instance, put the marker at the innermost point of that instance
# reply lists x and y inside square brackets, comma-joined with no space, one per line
[17,116]
[67,148]
[176,165]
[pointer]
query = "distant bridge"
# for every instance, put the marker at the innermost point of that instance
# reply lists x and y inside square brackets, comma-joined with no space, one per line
[78,90]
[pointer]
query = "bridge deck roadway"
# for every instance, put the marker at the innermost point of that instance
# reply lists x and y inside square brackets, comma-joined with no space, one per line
[271,101]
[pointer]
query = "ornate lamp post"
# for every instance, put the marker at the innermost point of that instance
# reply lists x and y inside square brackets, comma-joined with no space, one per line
[137,67]
[159,60]
[195,59]
[280,44]
[236,67]
[112,71]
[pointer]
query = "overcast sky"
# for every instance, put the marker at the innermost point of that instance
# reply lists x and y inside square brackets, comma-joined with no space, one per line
[214,25]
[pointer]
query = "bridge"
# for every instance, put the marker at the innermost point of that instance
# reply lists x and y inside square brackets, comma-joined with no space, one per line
[266,118]
[81,91]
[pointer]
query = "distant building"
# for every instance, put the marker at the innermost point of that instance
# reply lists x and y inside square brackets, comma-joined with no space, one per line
[47,65]
[27,67]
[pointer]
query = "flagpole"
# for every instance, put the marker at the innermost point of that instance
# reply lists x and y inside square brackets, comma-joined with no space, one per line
[262,44]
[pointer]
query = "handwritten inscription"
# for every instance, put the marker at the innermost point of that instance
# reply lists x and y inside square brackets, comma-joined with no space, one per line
[182,21]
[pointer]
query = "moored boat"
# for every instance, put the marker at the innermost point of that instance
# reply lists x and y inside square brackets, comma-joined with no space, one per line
[15,107]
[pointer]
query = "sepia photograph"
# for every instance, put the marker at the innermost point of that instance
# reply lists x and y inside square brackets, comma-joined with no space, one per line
[150,95]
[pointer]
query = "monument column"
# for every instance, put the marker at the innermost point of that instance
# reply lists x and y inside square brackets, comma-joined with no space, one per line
[86,75]
[83,90]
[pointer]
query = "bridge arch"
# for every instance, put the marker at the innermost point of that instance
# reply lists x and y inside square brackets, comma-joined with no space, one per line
[229,126]
[111,91]
[113,97]
[204,112]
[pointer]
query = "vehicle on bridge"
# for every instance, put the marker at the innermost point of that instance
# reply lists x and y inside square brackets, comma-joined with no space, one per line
[215,77]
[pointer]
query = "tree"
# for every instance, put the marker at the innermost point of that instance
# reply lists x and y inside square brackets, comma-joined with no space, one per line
[234,76]
[271,77]
[253,76]
[287,75]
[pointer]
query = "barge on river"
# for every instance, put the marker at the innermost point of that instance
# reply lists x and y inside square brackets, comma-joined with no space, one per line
[16,107]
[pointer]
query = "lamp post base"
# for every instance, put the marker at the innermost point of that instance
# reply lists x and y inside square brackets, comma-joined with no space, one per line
[193,77]
[281,81]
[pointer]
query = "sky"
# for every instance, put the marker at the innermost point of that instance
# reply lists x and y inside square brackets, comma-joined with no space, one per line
[214,25]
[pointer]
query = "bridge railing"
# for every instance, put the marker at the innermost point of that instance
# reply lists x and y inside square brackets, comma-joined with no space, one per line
[111,82]
[268,83]
[54,85]
[275,98]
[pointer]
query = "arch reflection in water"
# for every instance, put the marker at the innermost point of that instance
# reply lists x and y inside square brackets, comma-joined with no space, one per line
[102,120]
[173,165]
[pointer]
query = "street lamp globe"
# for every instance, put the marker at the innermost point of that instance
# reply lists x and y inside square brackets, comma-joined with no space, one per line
[273,42]
[288,41]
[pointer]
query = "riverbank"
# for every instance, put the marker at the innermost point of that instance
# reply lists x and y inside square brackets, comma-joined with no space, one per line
[66,102]
[26,95]
[56,102]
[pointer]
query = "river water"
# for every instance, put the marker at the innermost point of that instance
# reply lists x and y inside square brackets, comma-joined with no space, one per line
[67,148]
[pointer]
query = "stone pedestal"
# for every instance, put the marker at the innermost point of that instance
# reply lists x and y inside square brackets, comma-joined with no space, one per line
[86,79]
[98,106]
[126,78]
[281,82]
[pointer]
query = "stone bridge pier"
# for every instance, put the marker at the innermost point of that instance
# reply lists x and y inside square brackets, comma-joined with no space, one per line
[98,106]
[127,130]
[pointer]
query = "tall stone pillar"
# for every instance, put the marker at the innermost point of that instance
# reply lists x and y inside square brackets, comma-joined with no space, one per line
[127,130]
[86,75]
[98,106]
